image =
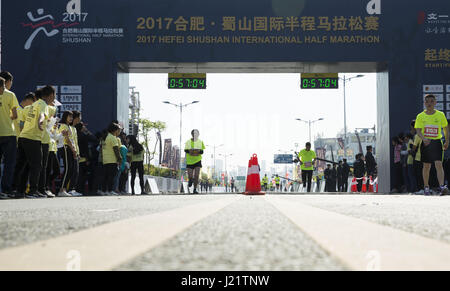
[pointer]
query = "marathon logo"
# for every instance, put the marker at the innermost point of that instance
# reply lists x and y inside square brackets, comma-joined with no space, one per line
[374,7]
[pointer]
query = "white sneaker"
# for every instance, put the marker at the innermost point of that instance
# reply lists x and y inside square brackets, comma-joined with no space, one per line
[419,192]
[101,193]
[75,193]
[112,193]
[49,194]
[64,194]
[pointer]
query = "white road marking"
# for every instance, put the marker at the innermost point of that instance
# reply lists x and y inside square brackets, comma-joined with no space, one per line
[105,210]
[363,245]
[107,246]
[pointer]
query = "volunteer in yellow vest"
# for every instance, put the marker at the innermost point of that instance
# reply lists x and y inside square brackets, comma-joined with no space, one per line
[194,148]
[307,157]
[68,153]
[136,154]
[30,141]
[42,188]
[111,158]
[429,124]
[8,141]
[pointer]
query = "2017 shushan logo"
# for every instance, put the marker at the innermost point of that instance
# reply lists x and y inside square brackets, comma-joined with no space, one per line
[46,24]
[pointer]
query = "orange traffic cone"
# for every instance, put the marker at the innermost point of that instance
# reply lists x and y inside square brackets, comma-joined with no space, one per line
[364,185]
[353,186]
[371,185]
[253,185]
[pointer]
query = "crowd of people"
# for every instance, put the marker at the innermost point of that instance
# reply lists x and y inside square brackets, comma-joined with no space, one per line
[45,156]
[421,157]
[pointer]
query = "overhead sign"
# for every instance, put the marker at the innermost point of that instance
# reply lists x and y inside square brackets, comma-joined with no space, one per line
[283,159]
[319,81]
[187,81]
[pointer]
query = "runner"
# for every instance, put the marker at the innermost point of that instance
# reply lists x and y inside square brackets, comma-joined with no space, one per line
[194,148]
[430,123]
[307,157]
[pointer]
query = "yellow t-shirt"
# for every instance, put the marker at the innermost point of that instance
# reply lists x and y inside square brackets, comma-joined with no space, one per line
[18,120]
[431,125]
[109,157]
[417,144]
[52,147]
[74,138]
[8,101]
[307,157]
[31,128]
[135,158]
[46,136]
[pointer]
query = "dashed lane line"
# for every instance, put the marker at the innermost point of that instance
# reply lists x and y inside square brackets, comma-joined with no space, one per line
[363,245]
[110,245]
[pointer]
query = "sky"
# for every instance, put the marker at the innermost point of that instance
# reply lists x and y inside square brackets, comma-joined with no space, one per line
[255,113]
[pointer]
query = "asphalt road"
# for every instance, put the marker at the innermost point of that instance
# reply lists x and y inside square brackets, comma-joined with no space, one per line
[248,233]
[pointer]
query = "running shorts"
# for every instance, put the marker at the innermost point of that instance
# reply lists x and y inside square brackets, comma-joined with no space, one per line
[433,152]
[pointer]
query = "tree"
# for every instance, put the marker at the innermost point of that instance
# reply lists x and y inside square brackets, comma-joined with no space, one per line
[147,128]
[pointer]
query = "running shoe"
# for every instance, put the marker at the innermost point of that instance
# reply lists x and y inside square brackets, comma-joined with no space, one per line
[49,194]
[195,191]
[444,190]
[427,191]
[3,196]
[38,194]
[112,193]
[75,193]
[421,192]
[190,184]
[64,194]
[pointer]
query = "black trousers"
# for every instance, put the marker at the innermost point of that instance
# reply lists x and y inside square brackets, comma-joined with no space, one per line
[307,178]
[137,166]
[52,169]
[359,185]
[340,182]
[82,177]
[110,174]
[123,181]
[43,176]
[344,183]
[69,166]
[418,166]
[30,152]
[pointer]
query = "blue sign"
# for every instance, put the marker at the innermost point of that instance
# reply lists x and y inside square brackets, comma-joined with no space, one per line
[283,159]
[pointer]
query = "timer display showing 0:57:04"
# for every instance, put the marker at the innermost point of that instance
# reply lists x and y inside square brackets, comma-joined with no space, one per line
[187,83]
[320,83]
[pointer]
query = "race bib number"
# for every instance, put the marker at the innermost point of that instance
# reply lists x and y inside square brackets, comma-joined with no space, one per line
[308,164]
[431,131]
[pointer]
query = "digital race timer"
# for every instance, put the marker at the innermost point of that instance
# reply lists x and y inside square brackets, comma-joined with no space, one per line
[319,81]
[187,81]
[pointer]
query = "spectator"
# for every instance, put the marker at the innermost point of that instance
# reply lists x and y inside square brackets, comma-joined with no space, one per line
[417,163]
[111,157]
[8,136]
[371,165]
[85,137]
[397,173]
[136,151]
[68,153]
[345,174]
[124,166]
[359,170]
[340,177]
[411,175]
